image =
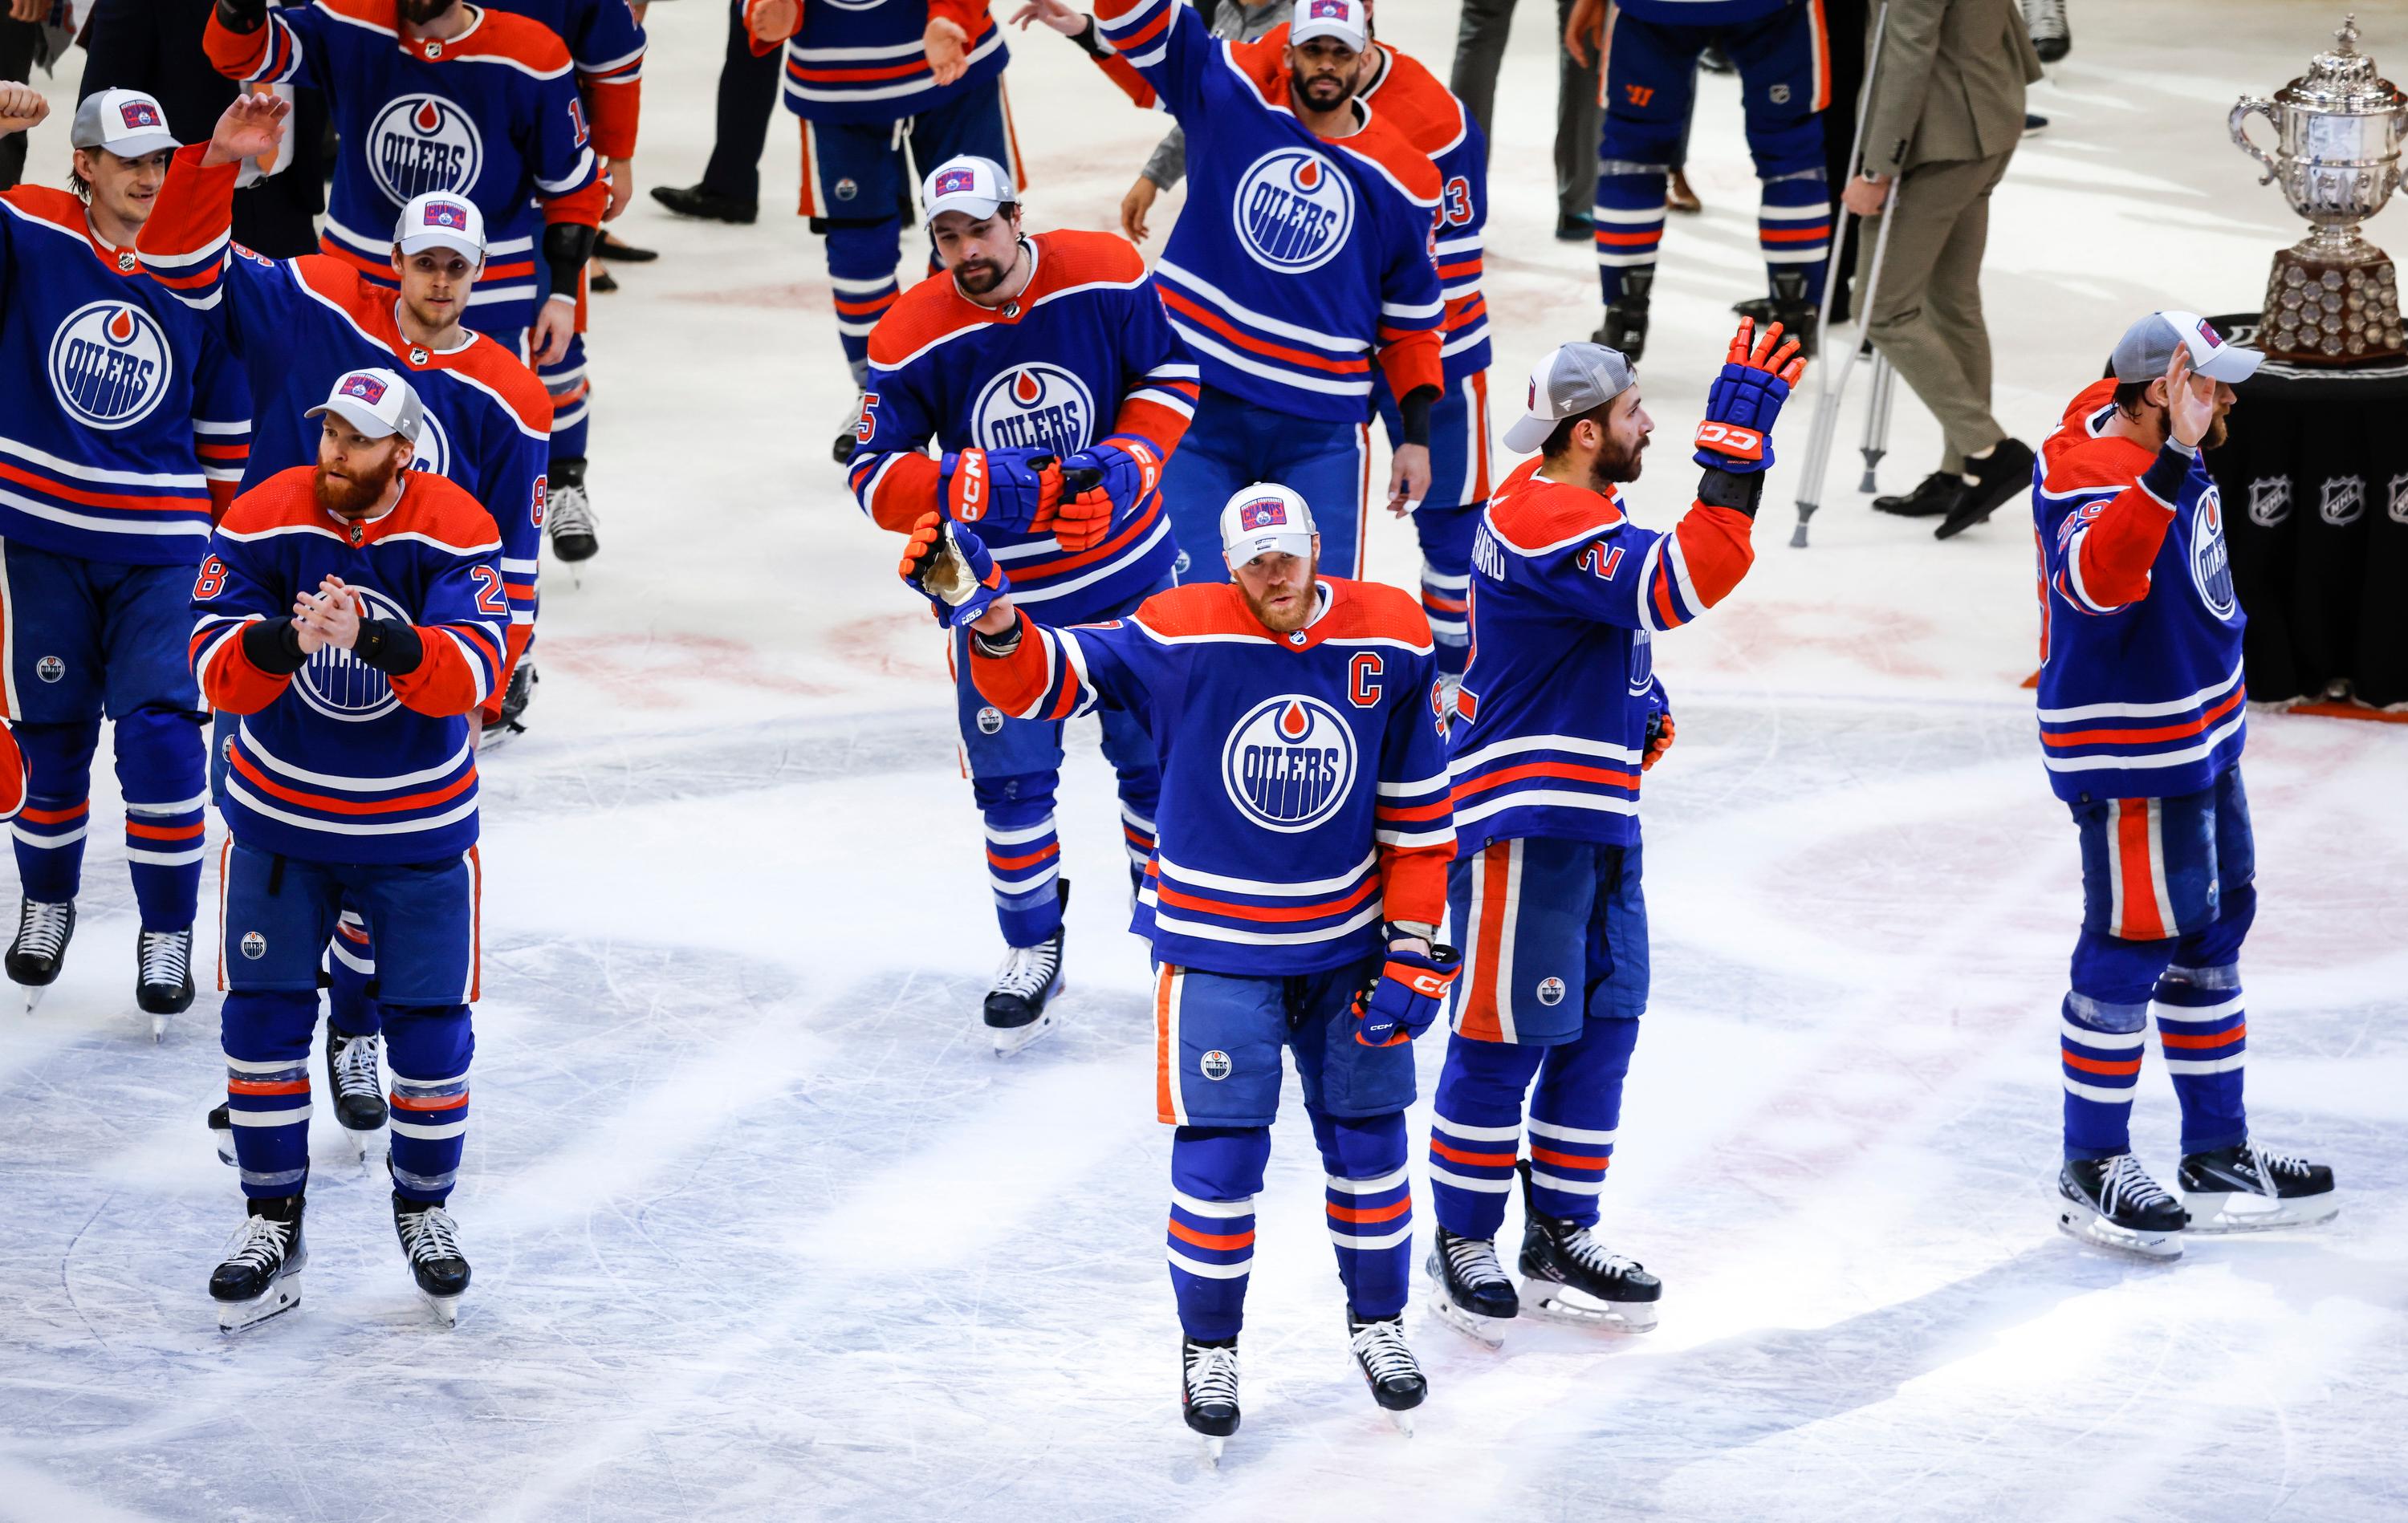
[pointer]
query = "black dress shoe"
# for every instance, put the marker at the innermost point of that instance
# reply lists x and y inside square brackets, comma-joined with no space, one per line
[600,282]
[2005,474]
[609,247]
[702,201]
[1575,227]
[1934,495]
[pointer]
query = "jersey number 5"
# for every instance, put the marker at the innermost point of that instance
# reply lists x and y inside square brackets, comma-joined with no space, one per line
[489,591]
[212,581]
[865,425]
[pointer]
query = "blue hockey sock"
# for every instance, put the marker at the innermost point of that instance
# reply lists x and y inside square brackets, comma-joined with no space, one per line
[1445,599]
[1476,1131]
[49,828]
[572,393]
[1215,1173]
[1793,225]
[2204,1032]
[163,772]
[1629,221]
[2105,1028]
[861,260]
[429,1048]
[1574,1113]
[265,1035]
[1024,855]
[1369,1194]
[351,967]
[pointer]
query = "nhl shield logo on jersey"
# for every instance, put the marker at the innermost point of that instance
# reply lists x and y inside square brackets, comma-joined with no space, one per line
[422,143]
[2211,560]
[1034,406]
[110,364]
[1289,763]
[1294,210]
[338,684]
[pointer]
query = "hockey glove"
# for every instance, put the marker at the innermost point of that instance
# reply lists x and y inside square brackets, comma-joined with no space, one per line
[1399,1004]
[1658,741]
[1743,401]
[1003,489]
[945,563]
[242,17]
[1084,516]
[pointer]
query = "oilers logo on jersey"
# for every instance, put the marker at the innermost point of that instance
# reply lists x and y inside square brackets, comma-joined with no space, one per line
[2211,563]
[422,143]
[1289,763]
[338,684]
[1294,210]
[110,364]
[1034,406]
[433,451]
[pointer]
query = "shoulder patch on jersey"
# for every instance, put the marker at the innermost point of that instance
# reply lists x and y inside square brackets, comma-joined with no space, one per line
[1075,257]
[1373,610]
[1198,608]
[1536,514]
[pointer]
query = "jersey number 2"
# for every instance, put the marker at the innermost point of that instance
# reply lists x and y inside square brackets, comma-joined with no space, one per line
[489,591]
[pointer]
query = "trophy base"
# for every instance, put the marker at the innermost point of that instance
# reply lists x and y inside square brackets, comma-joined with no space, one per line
[2332,307]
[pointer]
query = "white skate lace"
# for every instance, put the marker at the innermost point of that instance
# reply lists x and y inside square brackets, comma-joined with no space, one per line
[260,1242]
[568,512]
[355,1066]
[1587,1252]
[1027,970]
[1211,1375]
[1381,1346]
[1473,1260]
[165,957]
[2271,1167]
[41,930]
[430,1234]
[2127,1184]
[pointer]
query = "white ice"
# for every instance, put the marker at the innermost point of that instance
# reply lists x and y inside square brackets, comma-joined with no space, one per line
[762,1229]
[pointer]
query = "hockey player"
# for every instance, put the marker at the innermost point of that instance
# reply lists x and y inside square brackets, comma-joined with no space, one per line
[352,614]
[126,423]
[1293,899]
[1559,713]
[1319,270]
[1009,362]
[2141,722]
[443,95]
[299,324]
[1651,50]
[867,81]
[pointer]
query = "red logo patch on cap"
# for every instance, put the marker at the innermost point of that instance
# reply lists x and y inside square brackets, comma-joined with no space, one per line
[139,114]
[447,214]
[956,181]
[2213,339]
[1263,513]
[1328,10]
[367,388]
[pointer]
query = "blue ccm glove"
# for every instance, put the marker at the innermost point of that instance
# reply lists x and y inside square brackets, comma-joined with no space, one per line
[1743,401]
[1127,468]
[1401,1001]
[1010,490]
[945,563]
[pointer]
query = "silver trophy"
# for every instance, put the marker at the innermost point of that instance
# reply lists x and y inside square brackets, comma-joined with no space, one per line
[2332,298]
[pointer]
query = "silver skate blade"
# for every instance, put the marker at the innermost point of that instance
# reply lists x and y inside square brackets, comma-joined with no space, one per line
[1487,1332]
[1404,1421]
[1555,1303]
[363,1143]
[1011,1039]
[2219,1212]
[1212,1451]
[34,994]
[278,1299]
[446,1308]
[2084,1225]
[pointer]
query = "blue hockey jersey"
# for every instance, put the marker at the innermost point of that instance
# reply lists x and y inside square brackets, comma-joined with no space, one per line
[866,60]
[1321,263]
[340,762]
[1713,12]
[1083,356]
[2141,693]
[607,44]
[1304,791]
[122,410]
[492,115]
[1567,596]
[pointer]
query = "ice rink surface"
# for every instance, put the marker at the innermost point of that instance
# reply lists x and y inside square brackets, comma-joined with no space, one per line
[761,1229]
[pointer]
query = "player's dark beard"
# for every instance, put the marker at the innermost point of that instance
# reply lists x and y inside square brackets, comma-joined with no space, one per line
[1615,465]
[977,277]
[420,12]
[1322,93]
[350,497]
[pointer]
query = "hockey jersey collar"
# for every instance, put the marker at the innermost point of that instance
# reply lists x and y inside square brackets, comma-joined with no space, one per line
[60,210]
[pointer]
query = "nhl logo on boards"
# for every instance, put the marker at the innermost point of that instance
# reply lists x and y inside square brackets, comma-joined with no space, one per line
[110,364]
[423,143]
[1294,210]
[1034,406]
[2270,500]
[2211,559]
[990,721]
[1289,764]
[1551,991]
[255,945]
[1215,1065]
[2398,508]
[50,669]
[2344,500]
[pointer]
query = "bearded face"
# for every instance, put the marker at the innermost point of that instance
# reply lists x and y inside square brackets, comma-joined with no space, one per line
[420,12]
[350,491]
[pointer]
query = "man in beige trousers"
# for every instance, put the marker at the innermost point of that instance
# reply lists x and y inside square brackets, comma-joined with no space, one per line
[1947,111]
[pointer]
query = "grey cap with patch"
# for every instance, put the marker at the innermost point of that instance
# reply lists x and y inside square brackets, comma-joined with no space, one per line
[1570,380]
[2147,348]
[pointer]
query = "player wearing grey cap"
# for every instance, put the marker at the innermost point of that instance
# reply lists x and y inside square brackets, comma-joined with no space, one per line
[2143,718]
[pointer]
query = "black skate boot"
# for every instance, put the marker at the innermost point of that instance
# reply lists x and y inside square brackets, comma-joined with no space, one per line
[848,439]
[163,976]
[1473,1296]
[515,699]
[1566,1276]
[1788,306]
[1016,1006]
[432,1240]
[2244,1189]
[567,514]
[2112,1203]
[1626,319]
[1389,1366]
[357,1084]
[261,1275]
[1208,1391]
[222,1132]
[43,932]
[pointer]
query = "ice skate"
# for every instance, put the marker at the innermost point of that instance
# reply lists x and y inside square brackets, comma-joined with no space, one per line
[34,957]
[568,513]
[163,976]
[357,1084]
[1469,1291]
[1625,316]
[222,1132]
[1019,1005]
[1389,1366]
[1568,1277]
[2244,1189]
[2112,1202]
[515,699]
[432,1240]
[1207,1391]
[261,1276]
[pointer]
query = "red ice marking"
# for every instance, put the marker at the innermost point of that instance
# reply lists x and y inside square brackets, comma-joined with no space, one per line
[654,671]
[1880,639]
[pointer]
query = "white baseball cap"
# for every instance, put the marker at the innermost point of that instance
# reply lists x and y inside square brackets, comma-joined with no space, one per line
[967,184]
[1570,380]
[1265,518]
[127,122]
[2147,348]
[1348,21]
[375,401]
[441,220]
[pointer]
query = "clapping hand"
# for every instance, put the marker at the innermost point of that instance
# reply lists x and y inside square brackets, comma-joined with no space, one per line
[328,617]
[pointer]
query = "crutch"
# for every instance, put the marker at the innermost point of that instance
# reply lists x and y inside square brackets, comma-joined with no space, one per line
[1877,406]
[1833,386]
